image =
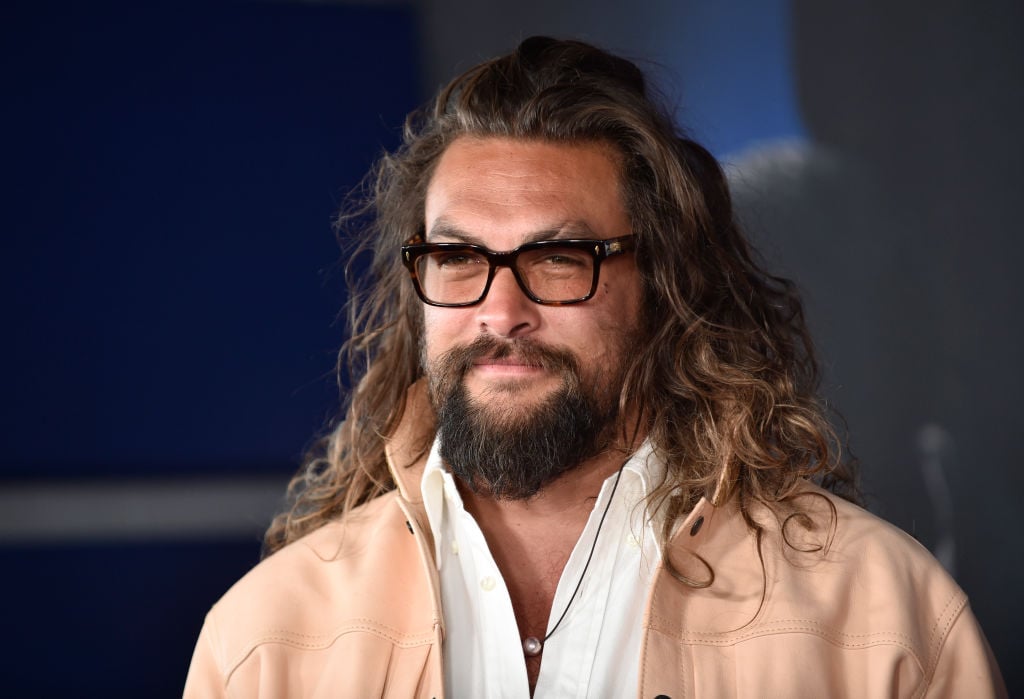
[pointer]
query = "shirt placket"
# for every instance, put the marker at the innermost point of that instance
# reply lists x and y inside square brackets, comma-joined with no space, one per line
[498,640]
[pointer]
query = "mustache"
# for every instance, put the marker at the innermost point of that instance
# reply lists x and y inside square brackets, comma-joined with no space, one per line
[450,368]
[458,360]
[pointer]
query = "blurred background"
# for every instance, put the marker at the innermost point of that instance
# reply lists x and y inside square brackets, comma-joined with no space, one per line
[171,282]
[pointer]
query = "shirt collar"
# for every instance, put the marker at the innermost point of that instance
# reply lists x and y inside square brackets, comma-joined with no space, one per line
[641,473]
[432,488]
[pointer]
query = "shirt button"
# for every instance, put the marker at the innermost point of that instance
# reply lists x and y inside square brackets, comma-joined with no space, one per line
[633,541]
[487,583]
[455,547]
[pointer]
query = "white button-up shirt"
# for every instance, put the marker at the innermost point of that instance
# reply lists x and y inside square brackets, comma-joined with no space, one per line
[595,651]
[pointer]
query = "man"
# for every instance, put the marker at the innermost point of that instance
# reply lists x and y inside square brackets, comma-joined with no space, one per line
[584,456]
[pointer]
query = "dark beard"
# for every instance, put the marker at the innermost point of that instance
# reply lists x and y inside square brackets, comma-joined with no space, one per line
[512,453]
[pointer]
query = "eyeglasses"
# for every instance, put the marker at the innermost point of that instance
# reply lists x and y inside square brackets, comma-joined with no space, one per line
[550,272]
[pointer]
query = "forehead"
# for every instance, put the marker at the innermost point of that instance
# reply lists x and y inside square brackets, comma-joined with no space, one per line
[503,191]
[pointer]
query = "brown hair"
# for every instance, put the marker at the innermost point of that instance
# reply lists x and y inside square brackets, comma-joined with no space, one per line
[726,384]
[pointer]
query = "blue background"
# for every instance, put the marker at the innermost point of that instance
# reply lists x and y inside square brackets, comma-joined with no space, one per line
[170,287]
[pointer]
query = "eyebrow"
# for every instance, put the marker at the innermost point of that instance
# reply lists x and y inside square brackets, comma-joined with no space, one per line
[443,228]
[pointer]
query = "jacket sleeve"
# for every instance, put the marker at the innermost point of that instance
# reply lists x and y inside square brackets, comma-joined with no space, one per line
[965,665]
[205,679]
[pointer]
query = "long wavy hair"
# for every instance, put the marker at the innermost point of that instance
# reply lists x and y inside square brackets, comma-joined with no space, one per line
[725,385]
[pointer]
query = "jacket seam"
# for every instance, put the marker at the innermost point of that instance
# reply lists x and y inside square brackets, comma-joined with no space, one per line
[951,612]
[291,639]
[367,624]
[838,638]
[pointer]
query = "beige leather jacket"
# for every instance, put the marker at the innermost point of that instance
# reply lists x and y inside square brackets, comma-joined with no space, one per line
[353,610]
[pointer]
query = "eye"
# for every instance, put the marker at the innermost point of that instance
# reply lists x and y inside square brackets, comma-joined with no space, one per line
[455,260]
[563,257]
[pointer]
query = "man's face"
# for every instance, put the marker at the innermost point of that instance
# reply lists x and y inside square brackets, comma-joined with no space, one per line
[512,371]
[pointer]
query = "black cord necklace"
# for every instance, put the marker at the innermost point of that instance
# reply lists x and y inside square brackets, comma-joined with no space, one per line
[531,644]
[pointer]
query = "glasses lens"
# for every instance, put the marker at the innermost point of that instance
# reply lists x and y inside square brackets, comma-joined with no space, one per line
[557,274]
[550,273]
[454,276]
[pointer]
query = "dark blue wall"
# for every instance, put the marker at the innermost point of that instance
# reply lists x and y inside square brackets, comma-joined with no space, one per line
[170,173]
[169,288]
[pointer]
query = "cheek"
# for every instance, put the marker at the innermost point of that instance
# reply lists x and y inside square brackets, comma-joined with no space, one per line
[621,300]
[431,341]
[619,326]
[442,328]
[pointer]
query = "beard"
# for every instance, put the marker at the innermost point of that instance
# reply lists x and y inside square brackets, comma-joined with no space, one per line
[509,451]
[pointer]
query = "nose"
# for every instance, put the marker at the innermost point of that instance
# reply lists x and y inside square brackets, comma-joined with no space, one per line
[506,311]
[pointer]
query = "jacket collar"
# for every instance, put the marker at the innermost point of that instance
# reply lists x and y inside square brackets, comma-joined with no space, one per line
[408,446]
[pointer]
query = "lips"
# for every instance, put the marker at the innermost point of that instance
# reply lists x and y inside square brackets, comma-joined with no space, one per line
[506,367]
[511,361]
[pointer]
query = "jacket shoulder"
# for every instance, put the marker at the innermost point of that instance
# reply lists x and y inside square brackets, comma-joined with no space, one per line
[865,609]
[869,565]
[872,586]
[352,576]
